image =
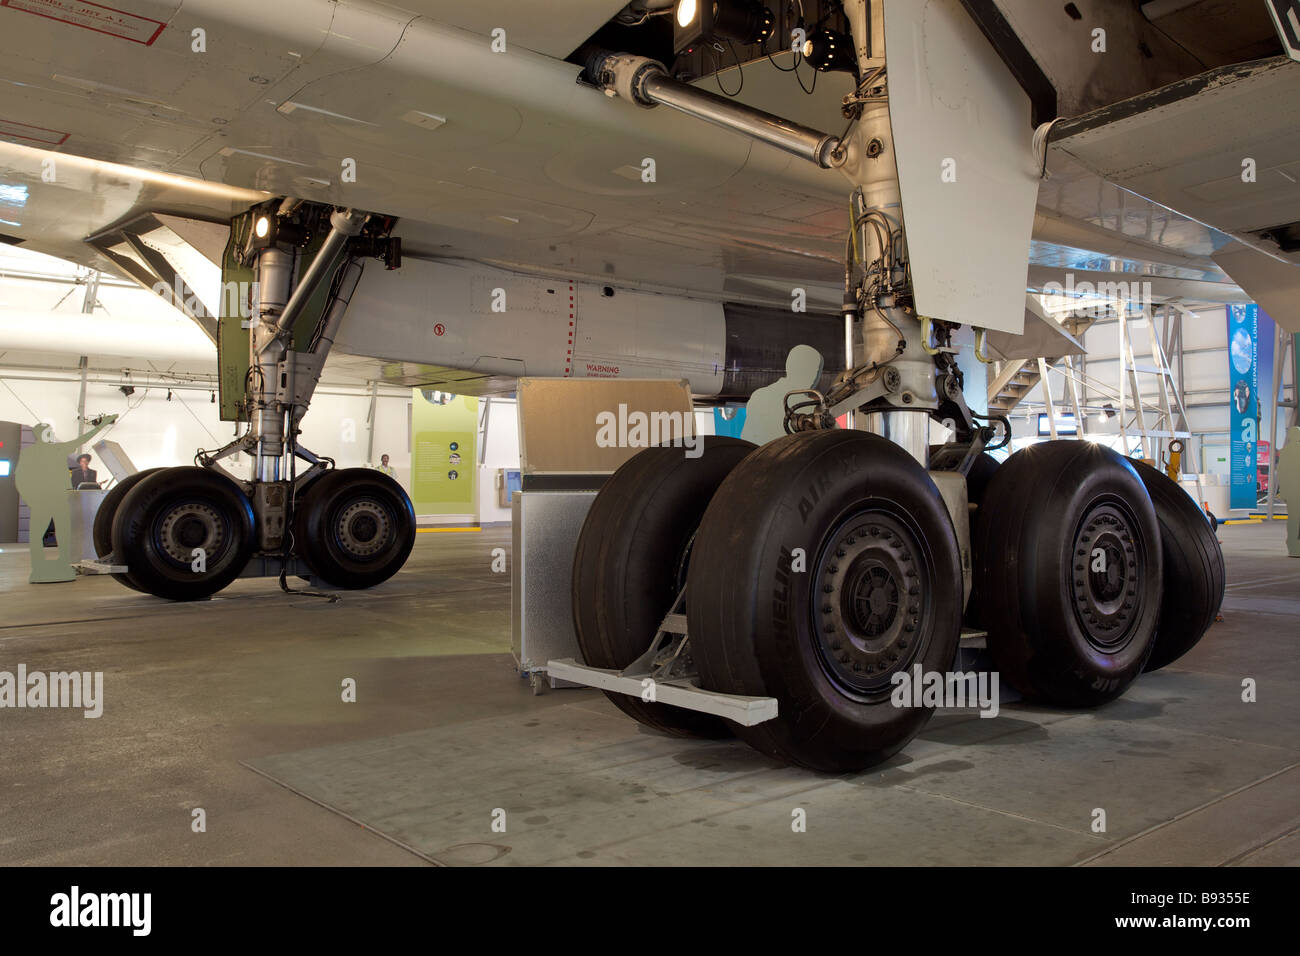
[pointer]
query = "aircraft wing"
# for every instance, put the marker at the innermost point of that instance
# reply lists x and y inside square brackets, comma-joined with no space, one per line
[1221,147]
[508,160]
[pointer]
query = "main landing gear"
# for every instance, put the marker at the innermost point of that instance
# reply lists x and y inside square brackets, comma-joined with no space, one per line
[791,586]
[821,565]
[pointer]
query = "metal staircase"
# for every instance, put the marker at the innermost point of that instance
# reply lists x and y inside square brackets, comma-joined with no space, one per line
[1013,379]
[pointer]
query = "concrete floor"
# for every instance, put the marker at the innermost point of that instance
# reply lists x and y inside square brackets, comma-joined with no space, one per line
[234,706]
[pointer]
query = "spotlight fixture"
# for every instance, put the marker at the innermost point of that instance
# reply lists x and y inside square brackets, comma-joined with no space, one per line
[744,21]
[127,390]
[214,398]
[827,51]
[263,234]
[169,394]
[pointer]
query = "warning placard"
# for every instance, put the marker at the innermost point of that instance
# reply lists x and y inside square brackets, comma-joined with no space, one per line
[34,134]
[93,16]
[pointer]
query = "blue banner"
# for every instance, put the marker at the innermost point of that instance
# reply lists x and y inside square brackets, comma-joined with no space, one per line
[729,421]
[1243,385]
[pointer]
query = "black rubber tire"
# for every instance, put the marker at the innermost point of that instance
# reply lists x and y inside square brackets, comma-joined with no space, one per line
[629,564]
[1059,632]
[102,532]
[158,558]
[1194,572]
[320,520]
[757,623]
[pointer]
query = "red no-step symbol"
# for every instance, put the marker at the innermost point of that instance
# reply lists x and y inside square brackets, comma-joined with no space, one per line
[439,329]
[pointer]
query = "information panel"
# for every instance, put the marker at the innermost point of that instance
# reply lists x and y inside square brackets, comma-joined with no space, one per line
[1243,385]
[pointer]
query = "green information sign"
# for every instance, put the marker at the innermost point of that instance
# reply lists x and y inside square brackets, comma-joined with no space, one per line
[444,459]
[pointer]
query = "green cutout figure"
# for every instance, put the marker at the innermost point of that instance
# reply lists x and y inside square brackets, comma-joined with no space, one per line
[1288,473]
[42,480]
[765,410]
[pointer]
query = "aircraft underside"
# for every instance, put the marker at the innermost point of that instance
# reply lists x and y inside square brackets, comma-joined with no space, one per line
[815,568]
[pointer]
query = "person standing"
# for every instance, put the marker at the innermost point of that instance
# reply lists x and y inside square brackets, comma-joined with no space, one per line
[39,467]
[83,473]
[385,467]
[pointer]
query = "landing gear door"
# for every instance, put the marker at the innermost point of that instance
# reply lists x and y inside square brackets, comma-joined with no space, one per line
[964,145]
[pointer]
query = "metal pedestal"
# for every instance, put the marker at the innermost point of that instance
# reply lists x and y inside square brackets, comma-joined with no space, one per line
[545,533]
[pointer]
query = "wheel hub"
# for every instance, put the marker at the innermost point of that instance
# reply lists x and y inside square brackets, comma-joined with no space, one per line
[869,603]
[189,525]
[1107,571]
[363,528]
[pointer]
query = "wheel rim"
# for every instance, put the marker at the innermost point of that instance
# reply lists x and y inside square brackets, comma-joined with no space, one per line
[1109,565]
[870,607]
[363,528]
[185,526]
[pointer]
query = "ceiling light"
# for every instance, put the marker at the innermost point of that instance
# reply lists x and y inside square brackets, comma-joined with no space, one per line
[828,51]
[744,21]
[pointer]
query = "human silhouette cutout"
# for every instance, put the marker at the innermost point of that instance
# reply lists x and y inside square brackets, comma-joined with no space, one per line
[1288,484]
[765,410]
[41,479]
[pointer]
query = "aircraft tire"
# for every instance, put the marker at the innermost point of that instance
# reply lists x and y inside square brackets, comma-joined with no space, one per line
[1194,572]
[102,530]
[168,516]
[875,592]
[1071,548]
[354,527]
[631,562]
